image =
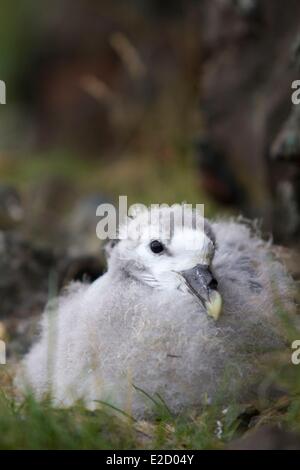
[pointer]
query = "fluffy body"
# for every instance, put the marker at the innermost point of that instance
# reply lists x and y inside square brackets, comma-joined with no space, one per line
[98,341]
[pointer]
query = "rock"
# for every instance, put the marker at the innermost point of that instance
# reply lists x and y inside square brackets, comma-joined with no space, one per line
[82,268]
[81,226]
[47,203]
[246,94]
[11,209]
[290,258]
[247,8]
[285,152]
[267,438]
[217,178]
[30,276]
[24,275]
[3,332]
[286,146]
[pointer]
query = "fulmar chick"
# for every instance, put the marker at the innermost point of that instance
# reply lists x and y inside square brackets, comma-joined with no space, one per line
[152,322]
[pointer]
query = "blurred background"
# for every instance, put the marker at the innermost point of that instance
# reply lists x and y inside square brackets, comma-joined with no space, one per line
[161,100]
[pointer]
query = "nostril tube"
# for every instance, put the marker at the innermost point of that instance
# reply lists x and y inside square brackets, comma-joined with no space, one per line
[213,284]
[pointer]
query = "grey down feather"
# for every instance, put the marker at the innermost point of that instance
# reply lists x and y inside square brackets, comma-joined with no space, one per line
[125,333]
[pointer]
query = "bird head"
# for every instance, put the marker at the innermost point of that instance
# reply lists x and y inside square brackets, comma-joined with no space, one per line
[167,252]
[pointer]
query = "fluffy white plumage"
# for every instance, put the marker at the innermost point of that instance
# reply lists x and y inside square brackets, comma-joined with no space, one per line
[138,325]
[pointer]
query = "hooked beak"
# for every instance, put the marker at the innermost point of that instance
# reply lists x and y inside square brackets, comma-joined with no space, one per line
[201,283]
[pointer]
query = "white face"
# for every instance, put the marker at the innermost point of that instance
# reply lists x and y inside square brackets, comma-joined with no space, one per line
[179,259]
[158,261]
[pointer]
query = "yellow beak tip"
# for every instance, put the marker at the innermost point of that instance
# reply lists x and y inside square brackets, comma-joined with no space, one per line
[214,306]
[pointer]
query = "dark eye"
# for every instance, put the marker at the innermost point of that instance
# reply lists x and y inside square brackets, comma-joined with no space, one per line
[156,246]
